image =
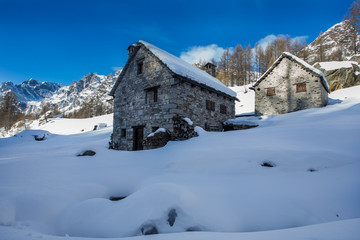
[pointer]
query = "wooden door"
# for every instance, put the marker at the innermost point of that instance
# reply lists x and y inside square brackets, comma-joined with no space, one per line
[138,138]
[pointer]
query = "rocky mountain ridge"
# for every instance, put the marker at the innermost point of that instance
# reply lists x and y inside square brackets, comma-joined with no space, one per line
[34,95]
[30,90]
[338,42]
[35,101]
[92,88]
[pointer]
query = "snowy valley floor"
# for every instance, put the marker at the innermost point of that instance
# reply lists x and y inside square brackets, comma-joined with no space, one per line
[213,185]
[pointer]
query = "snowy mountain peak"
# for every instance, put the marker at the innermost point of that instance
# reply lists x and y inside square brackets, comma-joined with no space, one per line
[31,82]
[93,89]
[30,90]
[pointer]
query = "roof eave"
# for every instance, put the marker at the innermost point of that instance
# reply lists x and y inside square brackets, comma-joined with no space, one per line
[175,75]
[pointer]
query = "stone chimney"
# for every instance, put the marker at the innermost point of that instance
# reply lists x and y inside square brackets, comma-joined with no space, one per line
[210,69]
[131,49]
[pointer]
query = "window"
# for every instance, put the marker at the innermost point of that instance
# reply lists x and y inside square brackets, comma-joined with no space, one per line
[140,67]
[301,87]
[222,109]
[123,132]
[270,91]
[210,105]
[151,94]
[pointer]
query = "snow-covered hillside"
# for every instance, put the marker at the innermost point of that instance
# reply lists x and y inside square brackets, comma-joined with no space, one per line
[213,184]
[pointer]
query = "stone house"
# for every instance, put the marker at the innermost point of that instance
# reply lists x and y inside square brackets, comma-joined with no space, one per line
[289,85]
[157,90]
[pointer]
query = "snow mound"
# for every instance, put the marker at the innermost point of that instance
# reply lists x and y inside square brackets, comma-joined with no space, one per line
[30,134]
[328,66]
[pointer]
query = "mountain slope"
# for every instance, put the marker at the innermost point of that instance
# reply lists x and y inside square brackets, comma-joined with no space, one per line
[92,88]
[334,44]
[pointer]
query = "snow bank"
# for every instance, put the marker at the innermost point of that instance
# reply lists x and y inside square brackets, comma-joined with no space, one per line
[157,131]
[246,103]
[188,121]
[66,126]
[328,66]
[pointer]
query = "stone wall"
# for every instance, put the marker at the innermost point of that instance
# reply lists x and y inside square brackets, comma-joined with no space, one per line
[191,103]
[284,78]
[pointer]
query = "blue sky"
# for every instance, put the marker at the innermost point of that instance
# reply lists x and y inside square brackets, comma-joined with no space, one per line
[60,41]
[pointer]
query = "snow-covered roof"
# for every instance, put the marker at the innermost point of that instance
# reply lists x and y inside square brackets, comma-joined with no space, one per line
[328,66]
[299,61]
[184,69]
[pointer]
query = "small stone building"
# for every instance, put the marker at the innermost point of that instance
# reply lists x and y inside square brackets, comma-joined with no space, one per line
[157,90]
[289,85]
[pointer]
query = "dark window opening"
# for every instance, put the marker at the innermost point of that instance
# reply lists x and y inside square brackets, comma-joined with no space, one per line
[151,94]
[270,91]
[301,87]
[210,105]
[155,95]
[222,109]
[123,132]
[140,68]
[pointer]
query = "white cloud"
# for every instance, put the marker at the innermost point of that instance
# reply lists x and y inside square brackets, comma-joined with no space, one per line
[300,38]
[264,42]
[202,53]
[115,69]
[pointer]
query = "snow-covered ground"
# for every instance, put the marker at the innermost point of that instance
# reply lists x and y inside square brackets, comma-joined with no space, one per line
[246,103]
[213,184]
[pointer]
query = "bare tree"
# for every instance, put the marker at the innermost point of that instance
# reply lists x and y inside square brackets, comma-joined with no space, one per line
[224,67]
[9,111]
[353,22]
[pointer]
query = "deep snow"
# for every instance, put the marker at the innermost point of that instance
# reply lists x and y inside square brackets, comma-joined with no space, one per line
[215,182]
